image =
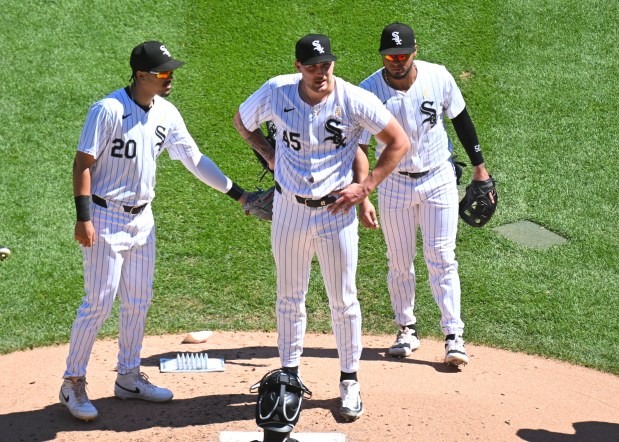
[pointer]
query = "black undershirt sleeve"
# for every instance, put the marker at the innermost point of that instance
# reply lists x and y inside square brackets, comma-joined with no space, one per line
[468,137]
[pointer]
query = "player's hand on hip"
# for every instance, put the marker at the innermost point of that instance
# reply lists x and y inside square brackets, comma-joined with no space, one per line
[349,197]
[367,214]
[85,233]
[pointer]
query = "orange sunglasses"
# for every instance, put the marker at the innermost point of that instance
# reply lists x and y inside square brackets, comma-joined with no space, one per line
[399,57]
[164,75]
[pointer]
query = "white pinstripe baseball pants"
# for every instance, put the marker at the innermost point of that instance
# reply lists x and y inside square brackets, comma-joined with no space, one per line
[297,233]
[430,202]
[122,260]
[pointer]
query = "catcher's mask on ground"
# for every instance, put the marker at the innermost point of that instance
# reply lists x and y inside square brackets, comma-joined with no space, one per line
[280,397]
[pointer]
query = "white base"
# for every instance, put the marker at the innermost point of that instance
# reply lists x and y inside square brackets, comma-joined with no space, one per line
[248,436]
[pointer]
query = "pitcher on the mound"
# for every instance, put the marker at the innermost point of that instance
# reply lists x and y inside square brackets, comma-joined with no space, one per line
[319,118]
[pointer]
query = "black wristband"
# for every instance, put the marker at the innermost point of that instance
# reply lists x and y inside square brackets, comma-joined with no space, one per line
[82,207]
[235,192]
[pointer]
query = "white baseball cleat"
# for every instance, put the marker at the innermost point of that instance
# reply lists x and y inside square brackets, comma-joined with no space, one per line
[5,252]
[455,354]
[406,341]
[352,407]
[73,396]
[135,385]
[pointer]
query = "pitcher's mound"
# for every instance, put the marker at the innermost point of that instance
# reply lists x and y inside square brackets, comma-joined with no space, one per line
[498,396]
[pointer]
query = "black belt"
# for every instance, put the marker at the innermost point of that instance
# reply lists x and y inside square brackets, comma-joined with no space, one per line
[324,201]
[414,174]
[133,210]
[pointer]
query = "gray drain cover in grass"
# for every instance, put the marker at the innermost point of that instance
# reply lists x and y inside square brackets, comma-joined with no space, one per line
[529,234]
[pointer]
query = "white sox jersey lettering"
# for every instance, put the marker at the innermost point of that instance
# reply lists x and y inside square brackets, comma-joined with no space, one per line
[126,141]
[430,201]
[316,146]
[421,111]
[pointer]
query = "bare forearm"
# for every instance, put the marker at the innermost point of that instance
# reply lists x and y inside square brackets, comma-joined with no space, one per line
[360,166]
[256,140]
[84,230]
[81,174]
[387,162]
[396,146]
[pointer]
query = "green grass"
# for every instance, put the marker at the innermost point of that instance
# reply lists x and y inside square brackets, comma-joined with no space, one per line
[538,80]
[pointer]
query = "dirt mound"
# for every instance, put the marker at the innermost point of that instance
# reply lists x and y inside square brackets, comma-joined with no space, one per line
[499,396]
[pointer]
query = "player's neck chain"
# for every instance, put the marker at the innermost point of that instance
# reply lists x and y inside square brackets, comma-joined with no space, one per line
[386,78]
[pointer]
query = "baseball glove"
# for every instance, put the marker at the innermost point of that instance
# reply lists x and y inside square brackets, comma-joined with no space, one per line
[260,204]
[270,136]
[476,208]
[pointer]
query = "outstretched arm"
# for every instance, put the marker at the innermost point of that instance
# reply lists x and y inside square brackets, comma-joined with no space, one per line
[203,168]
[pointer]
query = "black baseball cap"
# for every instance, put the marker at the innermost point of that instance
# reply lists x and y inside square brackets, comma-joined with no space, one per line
[153,56]
[314,49]
[397,38]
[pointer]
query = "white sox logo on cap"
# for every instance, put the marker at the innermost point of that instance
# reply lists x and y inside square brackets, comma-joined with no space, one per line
[396,38]
[314,49]
[317,47]
[152,56]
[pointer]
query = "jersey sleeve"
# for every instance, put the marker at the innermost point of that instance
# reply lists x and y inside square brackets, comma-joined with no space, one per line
[373,116]
[257,108]
[365,136]
[97,130]
[179,142]
[454,101]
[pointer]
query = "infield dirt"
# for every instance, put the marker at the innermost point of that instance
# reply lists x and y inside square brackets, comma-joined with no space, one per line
[499,396]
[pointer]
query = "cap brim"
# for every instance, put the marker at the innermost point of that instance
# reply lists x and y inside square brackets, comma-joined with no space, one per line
[319,59]
[169,65]
[394,51]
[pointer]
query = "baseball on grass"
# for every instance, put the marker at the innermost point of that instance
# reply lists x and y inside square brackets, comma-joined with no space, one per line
[4,253]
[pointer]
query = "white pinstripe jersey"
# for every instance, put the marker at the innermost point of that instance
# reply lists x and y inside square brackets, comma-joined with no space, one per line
[420,111]
[316,145]
[126,142]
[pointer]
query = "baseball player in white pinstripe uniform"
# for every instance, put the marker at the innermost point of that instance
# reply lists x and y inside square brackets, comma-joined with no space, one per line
[319,118]
[113,183]
[421,192]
